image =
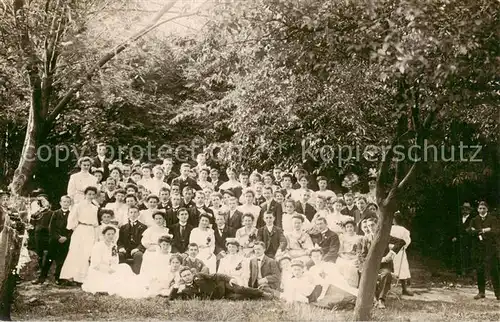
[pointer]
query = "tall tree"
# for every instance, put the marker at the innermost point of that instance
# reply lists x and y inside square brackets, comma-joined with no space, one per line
[57,45]
[353,73]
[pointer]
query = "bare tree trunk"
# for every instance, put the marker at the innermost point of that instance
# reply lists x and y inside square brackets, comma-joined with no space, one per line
[366,291]
[28,158]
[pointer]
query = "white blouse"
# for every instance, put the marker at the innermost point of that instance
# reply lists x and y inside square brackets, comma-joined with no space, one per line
[85,213]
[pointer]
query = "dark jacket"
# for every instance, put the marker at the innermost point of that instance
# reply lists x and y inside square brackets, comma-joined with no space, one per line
[57,226]
[220,240]
[185,182]
[274,240]
[205,286]
[329,243]
[269,269]
[364,247]
[309,212]
[130,236]
[486,245]
[180,243]
[274,207]
[235,221]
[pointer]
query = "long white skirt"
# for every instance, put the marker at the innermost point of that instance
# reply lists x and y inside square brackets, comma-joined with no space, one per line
[122,282]
[209,259]
[347,268]
[77,262]
[401,266]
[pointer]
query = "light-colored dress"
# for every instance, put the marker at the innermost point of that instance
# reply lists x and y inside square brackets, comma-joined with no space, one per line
[77,184]
[121,212]
[326,274]
[401,266]
[348,258]
[205,184]
[205,239]
[99,279]
[298,245]
[236,266]
[250,209]
[336,222]
[246,239]
[146,216]
[298,289]
[287,222]
[150,242]
[100,236]
[82,219]
[154,186]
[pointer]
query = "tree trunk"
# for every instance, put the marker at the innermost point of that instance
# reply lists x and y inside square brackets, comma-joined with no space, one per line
[28,159]
[369,276]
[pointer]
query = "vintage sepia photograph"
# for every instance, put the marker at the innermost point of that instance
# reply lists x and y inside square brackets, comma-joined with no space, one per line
[249,160]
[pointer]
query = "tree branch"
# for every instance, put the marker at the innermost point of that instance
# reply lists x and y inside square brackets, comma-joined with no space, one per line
[110,55]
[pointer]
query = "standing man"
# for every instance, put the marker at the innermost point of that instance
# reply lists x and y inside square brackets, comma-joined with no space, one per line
[100,161]
[184,180]
[462,241]
[484,230]
[129,240]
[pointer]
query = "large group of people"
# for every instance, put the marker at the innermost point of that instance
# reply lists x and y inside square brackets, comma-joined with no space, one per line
[138,230]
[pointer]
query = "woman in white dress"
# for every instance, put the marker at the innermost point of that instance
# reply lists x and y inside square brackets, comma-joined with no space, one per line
[248,206]
[203,179]
[299,243]
[116,173]
[119,208]
[401,266]
[168,276]
[247,235]
[106,275]
[234,264]
[106,221]
[149,240]
[157,182]
[204,237]
[300,286]
[156,272]
[232,182]
[79,181]
[82,219]
[347,262]
[289,213]
[336,219]
[326,274]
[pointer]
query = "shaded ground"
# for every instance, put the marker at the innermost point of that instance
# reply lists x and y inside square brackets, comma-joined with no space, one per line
[437,297]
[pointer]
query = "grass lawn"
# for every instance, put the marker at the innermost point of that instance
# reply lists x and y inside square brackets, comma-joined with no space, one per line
[436,298]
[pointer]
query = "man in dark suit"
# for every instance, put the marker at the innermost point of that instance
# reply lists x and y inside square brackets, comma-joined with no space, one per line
[171,214]
[327,240]
[59,239]
[222,232]
[264,271]
[199,209]
[184,180]
[181,232]
[129,240]
[350,209]
[270,205]
[272,236]
[484,229]
[100,161]
[212,287]
[462,241]
[362,212]
[233,216]
[386,266]
[168,164]
[214,179]
[303,207]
